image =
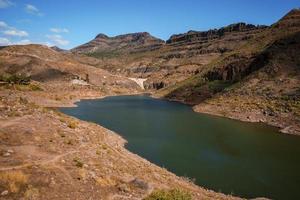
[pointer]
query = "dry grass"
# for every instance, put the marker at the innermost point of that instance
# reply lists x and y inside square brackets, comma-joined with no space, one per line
[14,180]
[72,124]
[31,193]
[105,181]
[174,194]
[78,162]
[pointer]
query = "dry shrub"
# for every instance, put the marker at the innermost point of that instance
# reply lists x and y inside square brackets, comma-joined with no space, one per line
[31,193]
[174,194]
[14,180]
[72,124]
[105,181]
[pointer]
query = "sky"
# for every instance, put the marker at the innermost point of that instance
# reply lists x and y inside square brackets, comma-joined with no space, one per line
[67,24]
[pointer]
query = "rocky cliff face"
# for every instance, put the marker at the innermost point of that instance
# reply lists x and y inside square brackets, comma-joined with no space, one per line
[56,48]
[163,64]
[103,45]
[203,36]
[259,81]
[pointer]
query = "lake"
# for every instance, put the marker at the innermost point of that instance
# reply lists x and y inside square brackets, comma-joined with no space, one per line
[229,156]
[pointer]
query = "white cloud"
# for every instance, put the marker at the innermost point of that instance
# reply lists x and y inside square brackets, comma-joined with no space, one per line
[58,39]
[7,42]
[31,9]
[4,41]
[22,42]
[59,30]
[49,44]
[5,3]
[15,32]
[12,31]
[3,24]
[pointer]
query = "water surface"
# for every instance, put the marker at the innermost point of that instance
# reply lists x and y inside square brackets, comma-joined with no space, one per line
[244,159]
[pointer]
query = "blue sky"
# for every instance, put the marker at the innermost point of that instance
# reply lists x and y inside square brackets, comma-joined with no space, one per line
[67,23]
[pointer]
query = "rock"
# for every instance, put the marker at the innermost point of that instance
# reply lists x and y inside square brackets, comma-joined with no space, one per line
[123,188]
[287,129]
[6,154]
[10,151]
[140,184]
[92,174]
[212,34]
[5,192]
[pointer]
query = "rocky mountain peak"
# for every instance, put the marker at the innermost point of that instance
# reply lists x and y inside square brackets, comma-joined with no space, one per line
[213,33]
[102,36]
[291,19]
[56,48]
[130,42]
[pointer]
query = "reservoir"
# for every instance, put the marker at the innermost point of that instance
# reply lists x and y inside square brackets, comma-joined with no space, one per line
[244,159]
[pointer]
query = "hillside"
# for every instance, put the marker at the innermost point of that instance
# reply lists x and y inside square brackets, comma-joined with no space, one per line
[165,63]
[59,72]
[45,154]
[103,45]
[260,81]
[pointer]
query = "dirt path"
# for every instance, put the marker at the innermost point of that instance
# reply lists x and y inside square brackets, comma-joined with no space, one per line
[42,162]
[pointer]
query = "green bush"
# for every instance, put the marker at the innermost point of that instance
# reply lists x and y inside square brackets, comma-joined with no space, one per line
[78,162]
[20,79]
[174,194]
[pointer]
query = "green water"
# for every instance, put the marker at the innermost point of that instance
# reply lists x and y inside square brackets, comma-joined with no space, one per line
[244,159]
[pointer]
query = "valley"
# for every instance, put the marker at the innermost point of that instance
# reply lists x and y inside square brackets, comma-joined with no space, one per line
[241,71]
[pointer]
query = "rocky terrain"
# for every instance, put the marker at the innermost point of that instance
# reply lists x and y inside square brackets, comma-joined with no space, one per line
[240,71]
[103,45]
[255,69]
[45,154]
[176,59]
[259,81]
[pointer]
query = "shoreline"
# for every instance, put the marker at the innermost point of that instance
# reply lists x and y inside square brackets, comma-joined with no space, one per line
[281,128]
[85,138]
[194,110]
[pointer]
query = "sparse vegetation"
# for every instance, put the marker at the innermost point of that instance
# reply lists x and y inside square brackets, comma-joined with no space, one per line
[102,55]
[72,124]
[35,87]
[218,85]
[31,193]
[14,180]
[174,194]
[20,79]
[78,162]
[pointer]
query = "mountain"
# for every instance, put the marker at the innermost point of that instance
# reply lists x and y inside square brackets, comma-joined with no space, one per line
[191,37]
[103,45]
[197,67]
[258,81]
[48,155]
[56,48]
[163,64]
[49,67]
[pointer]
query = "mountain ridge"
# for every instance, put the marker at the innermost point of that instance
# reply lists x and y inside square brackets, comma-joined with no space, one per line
[259,81]
[125,42]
